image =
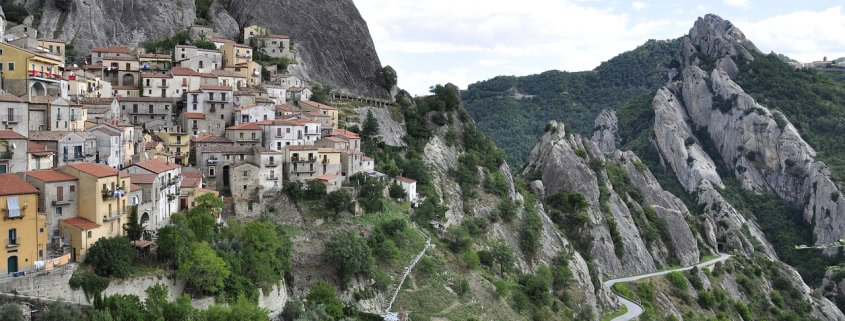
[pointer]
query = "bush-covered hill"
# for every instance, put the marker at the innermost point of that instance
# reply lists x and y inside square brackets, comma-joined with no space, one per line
[512,110]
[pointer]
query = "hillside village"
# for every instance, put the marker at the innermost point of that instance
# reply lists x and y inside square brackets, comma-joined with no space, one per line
[133,134]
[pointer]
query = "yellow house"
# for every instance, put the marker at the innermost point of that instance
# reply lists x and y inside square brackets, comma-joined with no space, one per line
[252,31]
[55,47]
[177,142]
[103,206]
[28,73]
[24,231]
[304,162]
[235,54]
[313,106]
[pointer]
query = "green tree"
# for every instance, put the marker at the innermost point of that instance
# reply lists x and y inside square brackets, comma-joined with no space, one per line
[60,311]
[11,312]
[387,76]
[339,201]
[295,190]
[320,94]
[502,254]
[323,293]
[203,269]
[134,228]
[124,307]
[265,253]
[430,210]
[397,192]
[111,256]
[205,44]
[371,195]
[174,240]
[316,190]
[370,128]
[202,223]
[349,254]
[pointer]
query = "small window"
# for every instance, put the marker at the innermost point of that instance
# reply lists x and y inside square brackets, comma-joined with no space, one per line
[244,187]
[89,234]
[11,66]
[246,173]
[73,188]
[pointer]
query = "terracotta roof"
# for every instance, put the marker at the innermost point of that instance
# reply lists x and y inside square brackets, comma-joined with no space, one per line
[47,135]
[324,177]
[120,58]
[316,114]
[286,107]
[112,49]
[265,150]
[221,40]
[194,115]
[226,73]
[10,134]
[154,75]
[317,105]
[148,99]
[94,169]
[142,178]
[178,71]
[368,158]
[125,88]
[227,149]
[111,131]
[210,75]
[213,87]
[301,147]
[240,45]
[151,145]
[273,36]
[97,66]
[334,139]
[210,138]
[10,98]
[345,133]
[81,223]
[35,148]
[42,99]
[191,172]
[405,179]
[245,126]
[11,184]
[190,182]
[203,190]
[50,175]
[133,187]
[94,101]
[157,165]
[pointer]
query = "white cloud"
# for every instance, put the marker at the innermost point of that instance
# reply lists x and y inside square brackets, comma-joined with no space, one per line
[801,35]
[744,4]
[639,5]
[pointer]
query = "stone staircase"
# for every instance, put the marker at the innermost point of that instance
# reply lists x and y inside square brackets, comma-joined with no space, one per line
[397,286]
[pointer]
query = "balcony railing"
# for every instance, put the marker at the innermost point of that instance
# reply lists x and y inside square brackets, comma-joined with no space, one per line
[11,119]
[272,178]
[44,75]
[6,155]
[113,216]
[62,202]
[272,164]
[109,195]
[214,161]
[297,160]
[15,242]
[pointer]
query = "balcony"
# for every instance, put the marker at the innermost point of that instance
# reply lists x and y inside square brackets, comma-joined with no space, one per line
[110,195]
[309,160]
[12,119]
[6,155]
[272,164]
[272,178]
[61,202]
[12,243]
[113,216]
[46,76]
[214,161]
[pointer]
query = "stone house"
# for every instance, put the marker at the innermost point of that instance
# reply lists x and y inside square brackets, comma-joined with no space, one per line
[332,181]
[253,31]
[109,145]
[70,146]
[230,79]
[276,93]
[368,164]
[217,160]
[353,139]
[246,134]
[155,63]
[25,231]
[97,108]
[332,142]
[332,112]
[191,188]
[289,81]
[57,198]
[13,152]
[102,207]
[150,112]
[287,110]
[126,91]
[163,180]
[39,157]
[275,46]
[159,85]
[351,161]
[121,70]
[97,54]
[198,59]
[199,142]
[14,114]
[254,113]
[299,94]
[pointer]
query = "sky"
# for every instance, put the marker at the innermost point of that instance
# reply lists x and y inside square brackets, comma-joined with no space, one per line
[465,41]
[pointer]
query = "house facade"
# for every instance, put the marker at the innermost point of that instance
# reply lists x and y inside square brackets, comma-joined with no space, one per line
[22,230]
[13,152]
[57,199]
[163,179]
[14,114]
[150,112]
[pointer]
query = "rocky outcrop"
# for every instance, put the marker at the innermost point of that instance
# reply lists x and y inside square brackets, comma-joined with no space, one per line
[2,23]
[762,149]
[224,24]
[390,130]
[331,37]
[98,23]
[557,160]
[606,131]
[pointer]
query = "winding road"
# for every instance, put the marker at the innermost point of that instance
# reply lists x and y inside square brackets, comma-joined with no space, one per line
[634,309]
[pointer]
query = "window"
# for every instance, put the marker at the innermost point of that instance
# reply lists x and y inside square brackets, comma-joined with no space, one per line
[195,106]
[200,63]
[223,95]
[89,234]
[244,187]
[211,171]
[242,157]
[278,132]
[58,211]
[253,136]
[287,130]
[148,82]
[241,136]
[246,173]
[278,145]
[151,109]
[13,236]
[11,66]
[134,108]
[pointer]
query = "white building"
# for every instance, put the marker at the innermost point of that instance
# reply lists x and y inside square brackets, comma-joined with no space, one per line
[276,134]
[410,187]
[299,94]
[288,81]
[254,113]
[163,180]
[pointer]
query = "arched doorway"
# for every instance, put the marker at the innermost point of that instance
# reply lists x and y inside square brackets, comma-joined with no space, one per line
[12,264]
[226,176]
[37,89]
[128,80]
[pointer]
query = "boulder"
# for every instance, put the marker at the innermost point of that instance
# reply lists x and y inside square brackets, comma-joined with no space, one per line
[606,131]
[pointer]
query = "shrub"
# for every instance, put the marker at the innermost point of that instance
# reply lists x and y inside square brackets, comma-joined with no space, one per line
[111,257]
[471,259]
[339,201]
[507,209]
[529,235]
[495,183]
[315,190]
[462,287]
[705,299]
[397,192]
[349,254]
[92,285]
[203,270]
[678,280]
[295,190]
[502,288]
[581,153]
[323,293]
[618,244]
[11,312]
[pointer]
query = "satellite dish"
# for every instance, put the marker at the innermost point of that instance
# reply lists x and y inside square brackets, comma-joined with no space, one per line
[14,146]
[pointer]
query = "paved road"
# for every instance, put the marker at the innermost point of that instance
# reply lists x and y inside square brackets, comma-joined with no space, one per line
[634,309]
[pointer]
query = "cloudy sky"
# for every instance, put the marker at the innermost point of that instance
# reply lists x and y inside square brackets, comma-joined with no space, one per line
[464,41]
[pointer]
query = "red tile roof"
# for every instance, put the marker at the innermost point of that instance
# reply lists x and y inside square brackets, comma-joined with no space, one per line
[157,165]
[318,105]
[301,147]
[11,184]
[274,36]
[316,114]
[50,175]
[345,133]
[190,182]
[210,138]
[245,126]
[154,75]
[203,190]
[10,134]
[194,115]
[94,169]
[209,75]
[81,223]
[120,58]
[286,107]
[133,187]
[142,178]
[178,71]
[112,49]
[405,179]
[36,148]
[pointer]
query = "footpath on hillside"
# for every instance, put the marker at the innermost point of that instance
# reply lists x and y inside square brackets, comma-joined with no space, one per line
[635,309]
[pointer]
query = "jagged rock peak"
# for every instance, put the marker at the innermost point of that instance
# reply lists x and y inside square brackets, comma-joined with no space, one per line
[717,37]
[606,131]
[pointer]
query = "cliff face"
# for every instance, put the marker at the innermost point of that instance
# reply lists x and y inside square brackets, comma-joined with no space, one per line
[761,148]
[96,23]
[331,38]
